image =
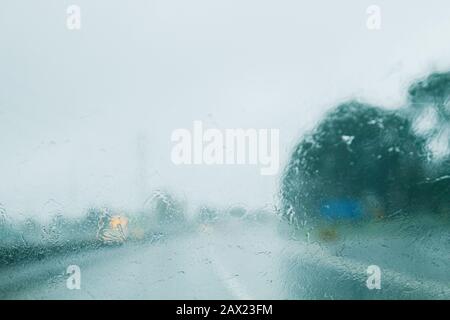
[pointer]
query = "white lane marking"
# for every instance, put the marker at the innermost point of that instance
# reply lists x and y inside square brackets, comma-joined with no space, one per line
[230,281]
[358,269]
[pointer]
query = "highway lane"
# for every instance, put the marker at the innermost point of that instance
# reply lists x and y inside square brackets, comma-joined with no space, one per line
[238,261]
[208,264]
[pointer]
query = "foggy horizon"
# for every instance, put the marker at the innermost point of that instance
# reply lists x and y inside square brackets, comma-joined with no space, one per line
[86,117]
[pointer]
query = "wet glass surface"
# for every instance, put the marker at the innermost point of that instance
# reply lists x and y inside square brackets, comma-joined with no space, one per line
[94,206]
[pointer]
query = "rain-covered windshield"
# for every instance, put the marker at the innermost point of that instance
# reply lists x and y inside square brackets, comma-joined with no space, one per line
[224,150]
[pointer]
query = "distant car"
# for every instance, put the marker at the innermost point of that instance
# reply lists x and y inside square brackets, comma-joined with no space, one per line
[113,230]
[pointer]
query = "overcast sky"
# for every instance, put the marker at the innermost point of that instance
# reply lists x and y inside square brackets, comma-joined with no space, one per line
[86,116]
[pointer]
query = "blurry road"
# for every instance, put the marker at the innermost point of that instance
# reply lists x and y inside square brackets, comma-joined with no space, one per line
[234,262]
[204,265]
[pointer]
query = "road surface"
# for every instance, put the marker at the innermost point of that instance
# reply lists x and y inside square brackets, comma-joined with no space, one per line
[238,262]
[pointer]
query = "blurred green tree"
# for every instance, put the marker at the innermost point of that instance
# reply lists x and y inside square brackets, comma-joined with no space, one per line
[358,152]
